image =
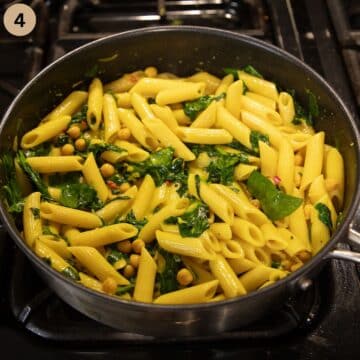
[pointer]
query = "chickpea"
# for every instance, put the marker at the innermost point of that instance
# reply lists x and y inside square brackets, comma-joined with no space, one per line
[107,170]
[137,245]
[74,132]
[124,187]
[80,144]
[124,246]
[151,71]
[184,277]
[67,149]
[134,260]
[109,285]
[128,271]
[124,134]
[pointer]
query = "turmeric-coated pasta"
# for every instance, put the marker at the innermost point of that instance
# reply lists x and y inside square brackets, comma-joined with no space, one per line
[169,188]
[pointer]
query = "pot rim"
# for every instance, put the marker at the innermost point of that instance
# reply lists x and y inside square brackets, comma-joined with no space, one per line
[248,40]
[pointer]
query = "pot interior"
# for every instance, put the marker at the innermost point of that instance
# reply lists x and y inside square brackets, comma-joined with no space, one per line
[183,51]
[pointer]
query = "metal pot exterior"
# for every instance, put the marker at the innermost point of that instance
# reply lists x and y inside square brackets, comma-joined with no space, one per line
[181,50]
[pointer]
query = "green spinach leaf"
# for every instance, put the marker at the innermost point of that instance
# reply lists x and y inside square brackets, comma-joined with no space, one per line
[33,175]
[275,203]
[193,108]
[79,196]
[324,215]
[167,278]
[11,190]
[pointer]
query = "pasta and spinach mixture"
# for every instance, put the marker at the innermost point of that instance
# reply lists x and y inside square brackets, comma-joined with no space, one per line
[177,190]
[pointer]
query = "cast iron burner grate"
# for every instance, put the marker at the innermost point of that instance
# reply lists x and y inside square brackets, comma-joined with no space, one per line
[42,313]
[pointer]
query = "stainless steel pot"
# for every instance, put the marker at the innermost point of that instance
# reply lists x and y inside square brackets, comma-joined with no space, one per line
[183,50]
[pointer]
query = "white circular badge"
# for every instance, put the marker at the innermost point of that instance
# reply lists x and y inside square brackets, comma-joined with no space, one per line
[19,19]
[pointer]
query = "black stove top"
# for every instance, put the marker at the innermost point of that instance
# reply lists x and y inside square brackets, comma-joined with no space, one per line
[323,321]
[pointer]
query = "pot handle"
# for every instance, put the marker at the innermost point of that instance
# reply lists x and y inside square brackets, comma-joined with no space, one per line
[354,238]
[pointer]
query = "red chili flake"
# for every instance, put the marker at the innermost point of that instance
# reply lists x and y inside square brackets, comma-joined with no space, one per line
[111,184]
[277,180]
[168,182]
[83,125]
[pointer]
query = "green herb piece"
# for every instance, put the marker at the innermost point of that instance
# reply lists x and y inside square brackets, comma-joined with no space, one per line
[33,175]
[194,221]
[11,190]
[301,114]
[324,215]
[255,137]
[113,256]
[61,140]
[98,148]
[193,108]
[72,177]
[232,71]
[222,165]
[92,72]
[252,71]
[162,167]
[275,203]
[71,273]
[35,212]
[123,289]
[40,150]
[167,278]
[79,116]
[131,219]
[221,168]
[275,264]
[79,196]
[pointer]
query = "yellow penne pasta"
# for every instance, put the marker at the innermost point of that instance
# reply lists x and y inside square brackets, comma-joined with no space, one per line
[147,233]
[167,138]
[203,136]
[68,106]
[216,203]
[90,282]
[271,104]
[228,280]
[221,230]
[191,295]
[96,264]
[104,235]
[95,104]
[31,218]
[286,107]
[137,129]
[165,114]
[53,164]
[233,98]
[45,132]
[145,280]
[94,178]
[206,119]
[67,216]
[187,246]
[225,120]
[111,119]
[268,160]
[117,207]
[258,109]
[313,159]
[143,197]
[259,86]
[226,81]
[212,82]
[248,232]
